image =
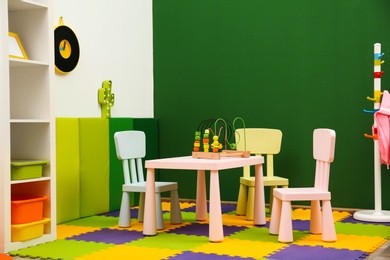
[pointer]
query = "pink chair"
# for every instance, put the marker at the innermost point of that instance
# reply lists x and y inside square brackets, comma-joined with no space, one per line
[281,220]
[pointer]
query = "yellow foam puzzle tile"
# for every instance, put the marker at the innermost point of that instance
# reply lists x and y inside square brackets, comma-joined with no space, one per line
[234,220]
[352,242]
[304,214]
[169,226]
[166,205]
[340,215]
[240,248]
[65,231]
[135,225]
[130,252]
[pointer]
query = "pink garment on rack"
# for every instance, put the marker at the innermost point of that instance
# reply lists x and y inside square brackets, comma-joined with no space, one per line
[382,119]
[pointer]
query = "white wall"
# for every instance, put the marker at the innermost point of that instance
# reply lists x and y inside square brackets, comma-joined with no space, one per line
[116,44]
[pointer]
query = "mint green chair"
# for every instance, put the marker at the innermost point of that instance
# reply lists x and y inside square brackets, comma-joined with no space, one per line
[131,149]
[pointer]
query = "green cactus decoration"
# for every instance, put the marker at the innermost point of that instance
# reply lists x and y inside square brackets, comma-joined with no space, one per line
[106,98]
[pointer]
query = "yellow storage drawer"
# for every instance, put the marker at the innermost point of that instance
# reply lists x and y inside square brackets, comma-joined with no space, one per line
[23,232]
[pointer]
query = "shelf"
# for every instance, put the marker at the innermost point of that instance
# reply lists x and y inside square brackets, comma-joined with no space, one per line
[18,5]
[14,62]
[30,180]
[37,121]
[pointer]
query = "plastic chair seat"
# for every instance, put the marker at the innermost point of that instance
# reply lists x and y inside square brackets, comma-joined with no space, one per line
[141,187]
[300,194]
[268,181]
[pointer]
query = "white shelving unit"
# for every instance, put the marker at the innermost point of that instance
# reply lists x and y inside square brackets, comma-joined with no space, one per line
[27,120]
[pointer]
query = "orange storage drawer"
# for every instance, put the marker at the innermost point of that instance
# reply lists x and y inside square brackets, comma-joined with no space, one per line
[25,209]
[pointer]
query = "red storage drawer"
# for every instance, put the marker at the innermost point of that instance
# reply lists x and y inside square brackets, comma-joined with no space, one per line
[25,209]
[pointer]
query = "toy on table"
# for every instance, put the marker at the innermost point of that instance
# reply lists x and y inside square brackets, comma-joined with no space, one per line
[216,145]
[226,131]
[197,141]
[206,141]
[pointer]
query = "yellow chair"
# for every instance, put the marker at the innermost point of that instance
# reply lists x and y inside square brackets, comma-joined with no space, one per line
[259,141]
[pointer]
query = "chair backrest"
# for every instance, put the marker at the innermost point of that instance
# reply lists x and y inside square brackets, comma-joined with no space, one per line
[260,141]
[324,142]
[131,148]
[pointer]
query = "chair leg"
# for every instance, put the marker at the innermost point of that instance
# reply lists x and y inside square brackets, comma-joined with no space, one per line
[250,203]
[124,213]
[271,195]
[285,228]
[159,215]
[241,201]
[141,207]
[315,217]
[275,216]
[329,231]
[175,208]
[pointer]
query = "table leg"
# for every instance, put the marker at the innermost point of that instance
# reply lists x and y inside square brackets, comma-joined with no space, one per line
[215,225]
[150,228]
[259,208]
[201,203]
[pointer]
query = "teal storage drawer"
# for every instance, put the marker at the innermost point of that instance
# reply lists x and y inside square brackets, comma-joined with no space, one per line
[26,169]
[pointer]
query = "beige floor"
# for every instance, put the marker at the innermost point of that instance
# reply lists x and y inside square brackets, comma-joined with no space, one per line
[383,253]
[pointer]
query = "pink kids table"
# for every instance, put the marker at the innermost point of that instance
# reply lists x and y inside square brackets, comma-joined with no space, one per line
[201,165]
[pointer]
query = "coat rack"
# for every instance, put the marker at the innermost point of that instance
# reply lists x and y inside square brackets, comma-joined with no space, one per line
[376,215]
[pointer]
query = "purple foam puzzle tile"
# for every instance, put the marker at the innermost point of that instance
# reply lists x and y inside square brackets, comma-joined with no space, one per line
[317,253]
[189,209]
[111,214]
[203,230]
[186,255]
[109,236]
[225,208]
[228,208]
[193,229]
[301,225]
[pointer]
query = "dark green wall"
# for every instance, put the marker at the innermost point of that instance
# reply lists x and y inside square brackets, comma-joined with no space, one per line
[293,65]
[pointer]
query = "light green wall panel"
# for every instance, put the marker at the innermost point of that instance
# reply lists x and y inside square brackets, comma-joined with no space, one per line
[94,166]
[68,169]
